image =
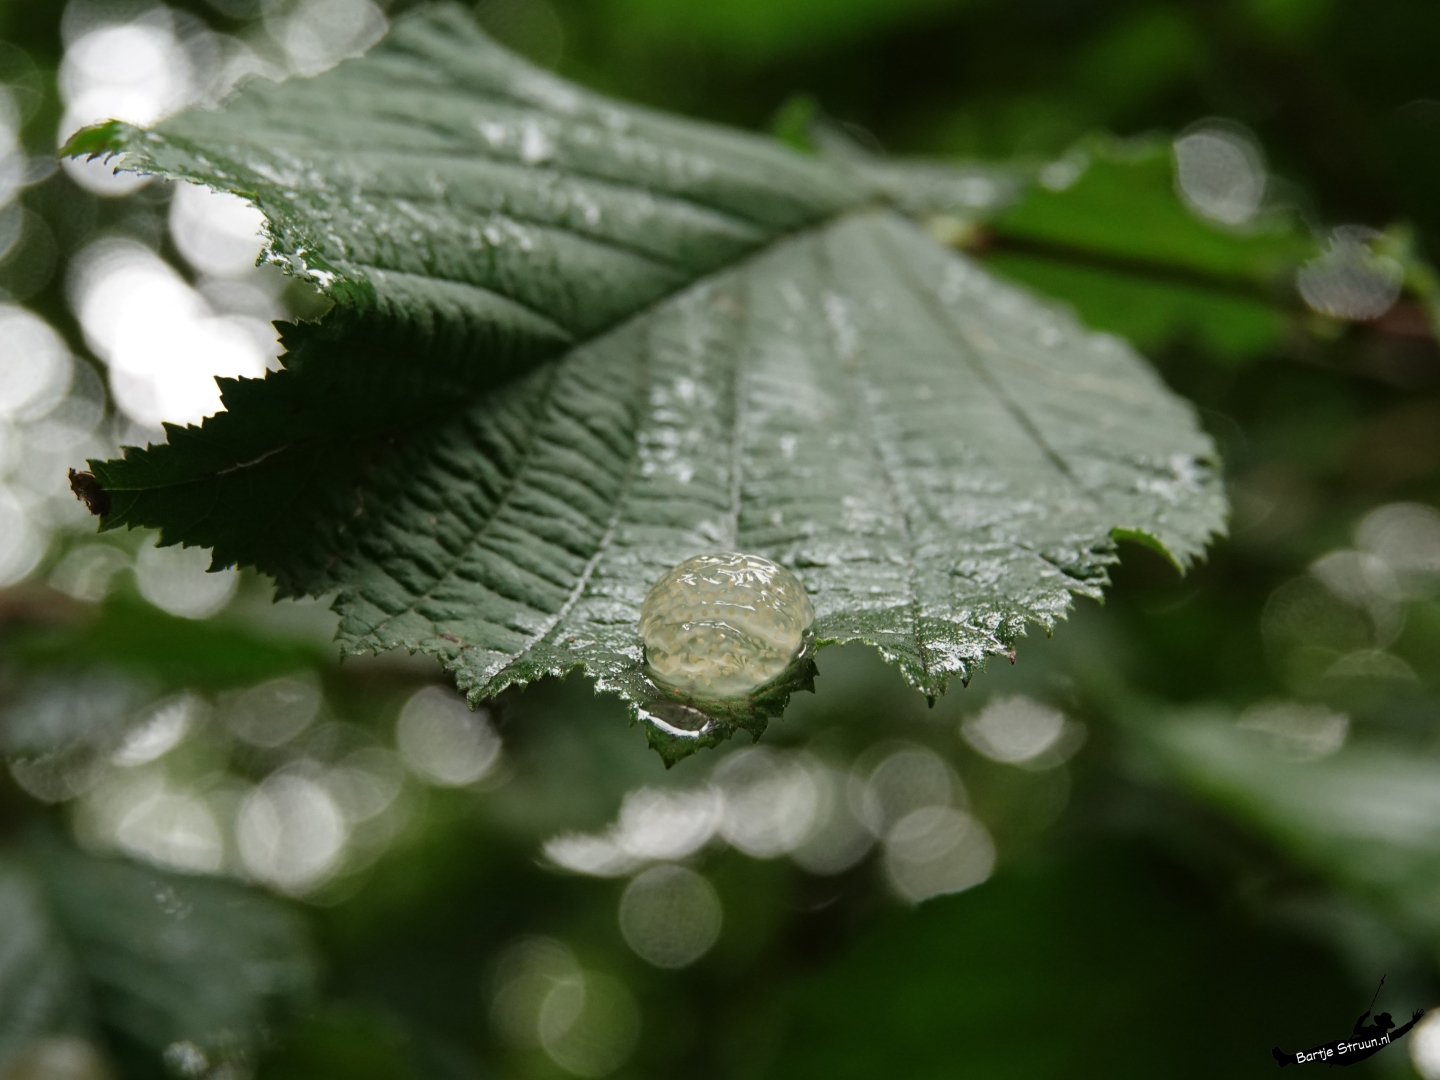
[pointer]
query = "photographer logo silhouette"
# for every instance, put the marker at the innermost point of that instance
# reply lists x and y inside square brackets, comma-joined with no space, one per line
[1366,1040]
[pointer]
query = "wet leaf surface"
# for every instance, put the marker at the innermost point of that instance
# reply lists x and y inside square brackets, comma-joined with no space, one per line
[575,342]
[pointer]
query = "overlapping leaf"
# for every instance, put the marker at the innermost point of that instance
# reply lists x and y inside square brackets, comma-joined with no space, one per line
[575,342]
[1112,236]
[1367,816]
[158,958]
[41,992]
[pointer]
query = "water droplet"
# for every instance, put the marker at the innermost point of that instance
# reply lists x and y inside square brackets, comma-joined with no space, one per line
[1220,171]
[719,626]
[1349,281]
[186,1059]
[536,146]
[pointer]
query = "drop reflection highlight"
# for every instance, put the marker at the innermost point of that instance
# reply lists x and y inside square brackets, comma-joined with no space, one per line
[1349,281]
[167,724]
[134,71]
[771,802]
[35,366]
[667,824]
[273,713]
[589,1025]
[178,580]
[161,339]
[290,832]
[317,34]
[905,780]
[1425,1046]
[1406,538]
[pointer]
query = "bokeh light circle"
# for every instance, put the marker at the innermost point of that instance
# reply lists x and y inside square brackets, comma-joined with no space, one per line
[670,916]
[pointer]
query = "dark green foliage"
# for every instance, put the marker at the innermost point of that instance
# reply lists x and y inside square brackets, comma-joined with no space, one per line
[153,958]
[1109,962]
[171,652]
[1344,815]
[41,991]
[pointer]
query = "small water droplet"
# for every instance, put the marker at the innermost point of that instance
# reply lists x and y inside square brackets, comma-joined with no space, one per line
[186,1059]
[536,146]
[718,626]
[1349,281]
[1220,171]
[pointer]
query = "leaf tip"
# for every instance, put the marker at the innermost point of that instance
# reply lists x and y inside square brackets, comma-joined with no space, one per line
[90,142]
[1148,539]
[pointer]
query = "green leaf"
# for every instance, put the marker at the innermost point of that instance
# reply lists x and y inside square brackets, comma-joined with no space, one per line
[1366,816]
[131,635]
[757,30]
[575,342]
[1122,202]
[1117,242]
[1110,954]
[158,958]
[170,958]
[41,992]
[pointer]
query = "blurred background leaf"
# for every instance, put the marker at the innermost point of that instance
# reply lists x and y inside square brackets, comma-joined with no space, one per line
[1135,956]
[41,992]
[185,968]
[1107,228]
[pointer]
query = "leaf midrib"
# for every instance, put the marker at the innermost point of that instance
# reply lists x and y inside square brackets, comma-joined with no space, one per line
[465,154]
[851,374]
[264,139]
[553,619]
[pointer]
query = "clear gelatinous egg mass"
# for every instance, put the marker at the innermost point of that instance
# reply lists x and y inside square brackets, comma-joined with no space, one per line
[718,626]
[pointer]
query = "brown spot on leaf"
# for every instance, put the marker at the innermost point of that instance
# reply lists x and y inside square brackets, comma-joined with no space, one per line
[88,490]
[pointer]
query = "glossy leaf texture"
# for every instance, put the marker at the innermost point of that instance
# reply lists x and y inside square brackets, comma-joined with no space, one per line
[576,342]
